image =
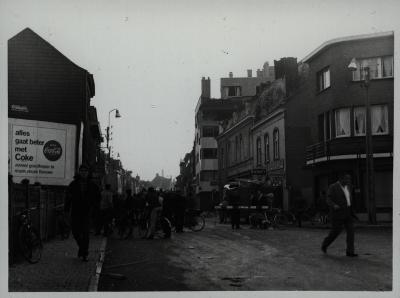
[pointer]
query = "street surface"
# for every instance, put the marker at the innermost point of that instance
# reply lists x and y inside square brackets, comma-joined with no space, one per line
[219,259]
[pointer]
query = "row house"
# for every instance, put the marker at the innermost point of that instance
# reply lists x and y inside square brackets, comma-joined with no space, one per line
[209,114]
[337,115]
[259,141]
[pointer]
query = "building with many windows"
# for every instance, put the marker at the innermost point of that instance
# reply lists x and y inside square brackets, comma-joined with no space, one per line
[337,115]
[210,113]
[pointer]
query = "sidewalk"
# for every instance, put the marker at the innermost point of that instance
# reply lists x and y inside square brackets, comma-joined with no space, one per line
[59,269]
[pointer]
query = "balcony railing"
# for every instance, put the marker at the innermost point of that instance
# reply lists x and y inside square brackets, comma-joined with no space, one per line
[348,146]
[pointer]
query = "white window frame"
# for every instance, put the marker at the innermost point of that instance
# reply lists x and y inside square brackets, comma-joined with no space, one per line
[358,75]
[324,79]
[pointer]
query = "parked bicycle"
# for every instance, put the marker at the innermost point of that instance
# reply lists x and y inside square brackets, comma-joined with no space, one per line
[29,241]
[163,225]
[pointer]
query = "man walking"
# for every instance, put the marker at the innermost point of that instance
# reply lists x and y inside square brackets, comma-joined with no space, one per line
[82,194]
[340,204]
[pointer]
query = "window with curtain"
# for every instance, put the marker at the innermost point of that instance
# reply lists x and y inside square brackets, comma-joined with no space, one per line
[266,148]
[258,153]
[379,67]
[342,123]
[359,121]
[379,120]
[276,143]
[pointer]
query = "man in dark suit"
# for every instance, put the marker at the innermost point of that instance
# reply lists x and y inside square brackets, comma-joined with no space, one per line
[339,199]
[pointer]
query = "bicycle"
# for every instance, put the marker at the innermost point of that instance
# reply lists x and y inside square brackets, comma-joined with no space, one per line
[162,224]
[29,241]
[194,220]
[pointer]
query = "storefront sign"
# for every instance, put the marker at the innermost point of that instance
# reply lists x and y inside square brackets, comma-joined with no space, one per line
[276,165]
[41,151]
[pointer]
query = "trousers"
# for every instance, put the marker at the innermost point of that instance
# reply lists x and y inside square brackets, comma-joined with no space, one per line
[337,226]
[80,231]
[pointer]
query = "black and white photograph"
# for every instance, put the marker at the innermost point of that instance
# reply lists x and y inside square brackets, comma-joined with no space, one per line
[208,148]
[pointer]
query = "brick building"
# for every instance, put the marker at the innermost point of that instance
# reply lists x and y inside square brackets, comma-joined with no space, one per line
[336,115]
[45,85]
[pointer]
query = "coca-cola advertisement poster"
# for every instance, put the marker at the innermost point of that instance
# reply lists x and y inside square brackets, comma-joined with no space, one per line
[41,151]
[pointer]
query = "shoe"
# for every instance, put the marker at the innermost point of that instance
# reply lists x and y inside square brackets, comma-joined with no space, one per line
[324,248]
[352,254]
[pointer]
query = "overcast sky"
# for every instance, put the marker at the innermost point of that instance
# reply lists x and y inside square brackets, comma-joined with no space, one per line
[148,58]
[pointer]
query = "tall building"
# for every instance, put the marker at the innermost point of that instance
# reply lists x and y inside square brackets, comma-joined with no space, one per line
[337,116]
[209,115]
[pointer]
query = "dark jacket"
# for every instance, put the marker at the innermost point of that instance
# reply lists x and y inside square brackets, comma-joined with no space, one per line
[336,196]
[152,199]
[81,197]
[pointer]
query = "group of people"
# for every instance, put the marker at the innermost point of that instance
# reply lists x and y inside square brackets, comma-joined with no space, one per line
[262,196]
[338,198]
[87,204]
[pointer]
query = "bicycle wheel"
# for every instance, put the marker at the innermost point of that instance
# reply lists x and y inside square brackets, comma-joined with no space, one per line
[166,226]
[197,223]
[30,244]
[143,226]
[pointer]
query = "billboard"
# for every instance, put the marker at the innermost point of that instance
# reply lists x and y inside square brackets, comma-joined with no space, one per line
[41,151]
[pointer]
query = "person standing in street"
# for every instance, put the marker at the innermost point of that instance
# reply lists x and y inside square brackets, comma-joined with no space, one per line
[82,194]
[339,200]
[234,199]
[154,205]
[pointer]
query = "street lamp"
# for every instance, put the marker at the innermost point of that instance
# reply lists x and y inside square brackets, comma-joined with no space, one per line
[369,159]
[117,115]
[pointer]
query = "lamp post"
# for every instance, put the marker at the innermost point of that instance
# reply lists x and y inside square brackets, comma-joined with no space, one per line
[117,115]
[369,158]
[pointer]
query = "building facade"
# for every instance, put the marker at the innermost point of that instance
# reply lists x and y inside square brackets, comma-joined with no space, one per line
[44,85]
[337,115]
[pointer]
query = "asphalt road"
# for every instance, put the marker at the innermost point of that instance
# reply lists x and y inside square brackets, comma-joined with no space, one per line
[219,259]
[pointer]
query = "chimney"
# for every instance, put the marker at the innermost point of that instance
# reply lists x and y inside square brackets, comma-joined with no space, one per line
[231,74]
[249,73]
[205,87]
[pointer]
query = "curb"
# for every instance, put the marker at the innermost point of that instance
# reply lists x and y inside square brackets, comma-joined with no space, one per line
[95,278]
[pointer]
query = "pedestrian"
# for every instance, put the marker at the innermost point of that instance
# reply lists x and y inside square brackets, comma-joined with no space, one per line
[106,209]
[154,205]
[234,199]
[179,211]
[82,194]
[339,199]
